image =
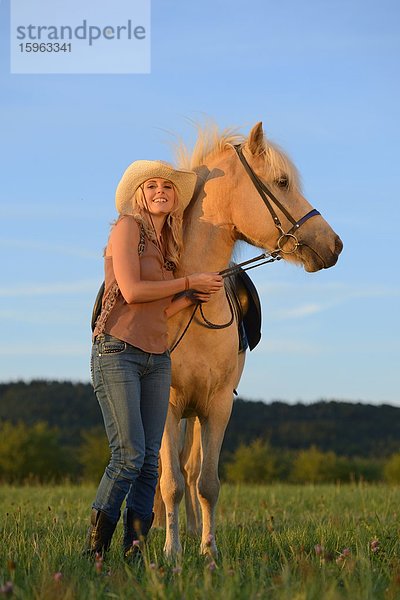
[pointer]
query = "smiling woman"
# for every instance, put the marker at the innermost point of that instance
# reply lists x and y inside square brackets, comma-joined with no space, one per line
[159,191]
[131,366]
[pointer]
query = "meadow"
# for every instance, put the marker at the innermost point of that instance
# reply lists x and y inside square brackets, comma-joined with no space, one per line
[282,542]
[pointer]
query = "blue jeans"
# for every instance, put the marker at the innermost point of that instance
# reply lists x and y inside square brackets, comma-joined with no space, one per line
[132,388]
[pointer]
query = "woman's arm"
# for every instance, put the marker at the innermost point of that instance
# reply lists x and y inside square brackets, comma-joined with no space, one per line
[183,301]
[178,304]
[123,246]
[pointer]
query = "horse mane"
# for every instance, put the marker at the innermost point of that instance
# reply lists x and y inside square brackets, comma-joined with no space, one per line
[211,142]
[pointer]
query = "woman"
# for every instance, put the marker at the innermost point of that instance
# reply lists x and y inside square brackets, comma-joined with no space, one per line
[131,367]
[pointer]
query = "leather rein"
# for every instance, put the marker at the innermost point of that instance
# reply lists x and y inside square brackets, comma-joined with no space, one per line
[269,200]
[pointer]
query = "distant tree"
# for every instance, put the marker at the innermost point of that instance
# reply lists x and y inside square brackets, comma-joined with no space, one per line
[255,463]
[94,453]
[33,452]
[359,469]
[314,466]
[391,469]
[13,438]
[359,429]
[68,406]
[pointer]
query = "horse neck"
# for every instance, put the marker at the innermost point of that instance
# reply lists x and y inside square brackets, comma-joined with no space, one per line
[207,246]
[208,234]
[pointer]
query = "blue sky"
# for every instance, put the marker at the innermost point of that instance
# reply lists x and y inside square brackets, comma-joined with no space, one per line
[323,77]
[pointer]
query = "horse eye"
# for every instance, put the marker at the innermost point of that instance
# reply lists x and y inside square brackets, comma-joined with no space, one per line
[282,182]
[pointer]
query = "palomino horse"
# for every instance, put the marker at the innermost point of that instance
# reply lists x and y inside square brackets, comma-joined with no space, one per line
[264,207]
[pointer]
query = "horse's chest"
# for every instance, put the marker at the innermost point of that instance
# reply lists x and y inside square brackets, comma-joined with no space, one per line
[203,372]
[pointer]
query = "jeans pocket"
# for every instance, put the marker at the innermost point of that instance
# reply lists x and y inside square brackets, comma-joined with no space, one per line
[111,346]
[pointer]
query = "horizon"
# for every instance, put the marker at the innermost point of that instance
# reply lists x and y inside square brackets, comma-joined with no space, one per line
[235,398]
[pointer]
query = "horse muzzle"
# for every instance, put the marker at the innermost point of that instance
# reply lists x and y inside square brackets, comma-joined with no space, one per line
[315,259]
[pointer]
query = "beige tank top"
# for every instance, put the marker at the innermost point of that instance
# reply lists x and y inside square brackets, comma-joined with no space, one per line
[142,324]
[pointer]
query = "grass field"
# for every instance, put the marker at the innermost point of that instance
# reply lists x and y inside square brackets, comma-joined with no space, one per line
[275,542]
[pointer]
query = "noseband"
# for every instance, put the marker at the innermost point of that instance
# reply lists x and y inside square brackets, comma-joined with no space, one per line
[269,199]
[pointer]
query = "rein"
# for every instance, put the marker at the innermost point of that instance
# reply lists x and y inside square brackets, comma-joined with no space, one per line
[262,259]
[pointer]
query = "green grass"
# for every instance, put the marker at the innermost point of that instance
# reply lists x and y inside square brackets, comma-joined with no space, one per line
[267,538]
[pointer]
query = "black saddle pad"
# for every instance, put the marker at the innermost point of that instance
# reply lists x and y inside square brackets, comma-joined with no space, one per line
[97,306]
[252,317]
[246,302]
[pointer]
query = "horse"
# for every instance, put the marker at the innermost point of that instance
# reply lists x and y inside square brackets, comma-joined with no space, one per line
[247,189]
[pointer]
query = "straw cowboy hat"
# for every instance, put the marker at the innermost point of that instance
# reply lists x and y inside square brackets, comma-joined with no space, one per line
[141,170]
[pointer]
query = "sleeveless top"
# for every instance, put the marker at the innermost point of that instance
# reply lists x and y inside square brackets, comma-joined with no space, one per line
[141,324]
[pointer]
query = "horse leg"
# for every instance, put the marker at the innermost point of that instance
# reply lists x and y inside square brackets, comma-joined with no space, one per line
[190,466]
[208,485]
[159,506]
[172,483]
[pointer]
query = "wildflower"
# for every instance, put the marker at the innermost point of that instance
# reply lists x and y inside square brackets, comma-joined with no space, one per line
[57,576]
[346,552]
[270,524]
[98,563]
[7,588]
[374,545]
[135,543]
[177,570]
[212,566]
[319,550]
[152,566]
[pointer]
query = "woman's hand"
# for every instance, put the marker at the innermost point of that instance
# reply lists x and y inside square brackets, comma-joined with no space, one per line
[206,283]
[200,297]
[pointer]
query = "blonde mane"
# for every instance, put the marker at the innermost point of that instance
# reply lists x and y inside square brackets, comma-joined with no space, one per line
[211,142]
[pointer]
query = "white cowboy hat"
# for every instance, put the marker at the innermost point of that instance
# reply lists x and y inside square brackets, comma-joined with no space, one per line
[141,170]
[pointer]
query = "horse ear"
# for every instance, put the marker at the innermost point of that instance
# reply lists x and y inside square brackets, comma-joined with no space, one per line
[256,139]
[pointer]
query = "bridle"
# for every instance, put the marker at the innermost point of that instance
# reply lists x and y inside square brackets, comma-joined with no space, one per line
[269,200]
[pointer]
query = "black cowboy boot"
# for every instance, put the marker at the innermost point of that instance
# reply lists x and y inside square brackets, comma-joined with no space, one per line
[135,532]
[100,532]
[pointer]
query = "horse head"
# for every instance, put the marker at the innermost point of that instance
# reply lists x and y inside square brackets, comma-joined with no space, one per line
[260,199]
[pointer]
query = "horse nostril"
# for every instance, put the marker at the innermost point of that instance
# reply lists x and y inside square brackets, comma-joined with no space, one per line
[338,245]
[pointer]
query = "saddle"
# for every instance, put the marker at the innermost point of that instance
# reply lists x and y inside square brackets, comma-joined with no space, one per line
[247,307]
[245,303]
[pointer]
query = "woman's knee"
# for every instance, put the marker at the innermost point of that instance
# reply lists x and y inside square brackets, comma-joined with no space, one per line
[149,470]
[127,464]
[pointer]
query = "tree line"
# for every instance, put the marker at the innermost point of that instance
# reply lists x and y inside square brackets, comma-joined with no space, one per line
[53,430]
